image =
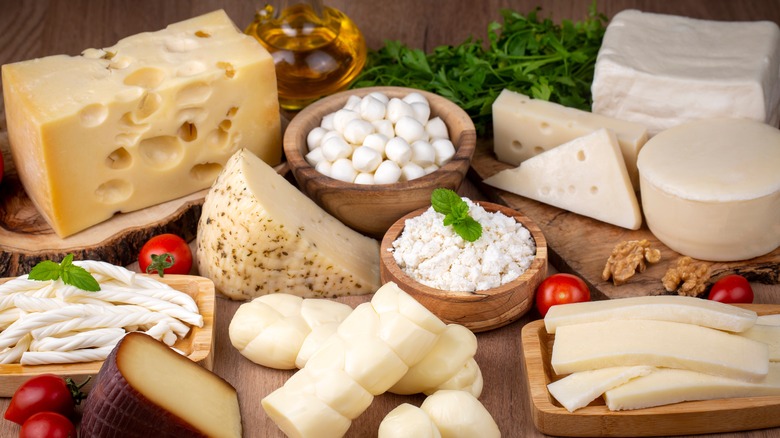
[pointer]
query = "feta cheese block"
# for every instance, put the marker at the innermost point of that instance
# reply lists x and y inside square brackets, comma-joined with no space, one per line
[586,176]
[150,119]
[578,389]
[146,389]
[524,127]
[711,188]
[663,70]
[603,344]
[258,234]
[674,308]
[667,386]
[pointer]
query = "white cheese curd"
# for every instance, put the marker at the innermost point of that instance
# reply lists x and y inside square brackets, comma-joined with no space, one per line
[436,256]
[314,139]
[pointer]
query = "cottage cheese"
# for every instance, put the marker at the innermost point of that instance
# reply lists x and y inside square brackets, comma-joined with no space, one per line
[436,256]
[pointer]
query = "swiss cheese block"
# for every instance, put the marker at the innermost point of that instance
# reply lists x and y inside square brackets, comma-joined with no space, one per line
[146,389]
[675,308]
[664,70]
[150,119]
[711,188]
[258,234]
[603,344]
[578,389]
[586,176]
[524,127]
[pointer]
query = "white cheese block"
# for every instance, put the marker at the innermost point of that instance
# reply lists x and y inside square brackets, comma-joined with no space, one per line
[147,387]
[603,344]
[667,386]
[675,308]
[458,414]
[406,421]
[711,188]
[258,234]
[767,334]
[150,119]
[664,70]
[524,127]
[586,176]
[577,390]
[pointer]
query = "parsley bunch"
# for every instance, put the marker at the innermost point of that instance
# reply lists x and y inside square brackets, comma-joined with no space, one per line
[526,54]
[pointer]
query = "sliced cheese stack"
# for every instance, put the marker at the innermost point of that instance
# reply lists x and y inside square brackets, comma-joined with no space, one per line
[711,188]
[146,388]
[664,70]
[373,348]
[150,119]
[258,234]
[587,176]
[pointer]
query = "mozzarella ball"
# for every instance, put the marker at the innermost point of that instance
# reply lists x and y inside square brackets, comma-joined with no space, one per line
[342,117]
[323,167]
[335,148]
[436,128]
[444,151]
[398,150]
[410,171]
[415,97]
[343,170]
[327,122]
[315,156]
[410,129]
[397,108]
[353,103]
[330,134]
[377,142]
[382,97]
[366,159]
[423,153]
[357,130]
[384,127]
[372,109]
[387,173]
[430,169]
[364,178]
[422,112]
[314,138]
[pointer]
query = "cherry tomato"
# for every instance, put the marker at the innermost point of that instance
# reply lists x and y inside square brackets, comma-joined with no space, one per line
[731,289]
[47,425]
[165,254]
[45,392]
[560,289]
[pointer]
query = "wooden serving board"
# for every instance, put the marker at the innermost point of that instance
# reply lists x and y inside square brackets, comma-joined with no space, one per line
[197,345]
[581,245]
[596,420]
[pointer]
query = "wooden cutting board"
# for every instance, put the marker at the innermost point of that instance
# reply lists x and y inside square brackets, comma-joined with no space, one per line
[581,245]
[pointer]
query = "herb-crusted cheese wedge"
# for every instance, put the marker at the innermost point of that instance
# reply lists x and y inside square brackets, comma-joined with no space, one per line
[258,234]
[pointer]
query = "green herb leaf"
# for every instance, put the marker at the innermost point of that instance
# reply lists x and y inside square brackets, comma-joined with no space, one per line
[442,200]
[67,272]
[469,229]
[456,214]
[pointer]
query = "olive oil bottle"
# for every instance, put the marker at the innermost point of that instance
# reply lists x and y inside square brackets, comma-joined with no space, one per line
[317,49]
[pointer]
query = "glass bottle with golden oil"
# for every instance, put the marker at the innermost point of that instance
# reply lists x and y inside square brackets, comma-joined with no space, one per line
[317,49]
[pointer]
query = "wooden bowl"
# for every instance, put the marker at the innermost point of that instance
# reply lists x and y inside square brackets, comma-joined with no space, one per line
[481,310]
[371,209]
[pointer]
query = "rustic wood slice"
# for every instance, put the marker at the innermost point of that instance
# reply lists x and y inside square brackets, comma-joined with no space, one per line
[478,311]
[581,245]
[596,420]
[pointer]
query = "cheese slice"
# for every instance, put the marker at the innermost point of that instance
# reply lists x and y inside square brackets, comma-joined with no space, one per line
[667,386]
[150,119]
[674,308]
[586,176]
[767,334]
[524,127]
[664,70]
[603,344]
[258,234]
[578,389]
[147,387]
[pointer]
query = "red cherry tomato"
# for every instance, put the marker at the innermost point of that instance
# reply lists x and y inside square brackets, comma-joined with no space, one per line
[47,425]
[46,392]
[731,289]
[165,254]
[560,289]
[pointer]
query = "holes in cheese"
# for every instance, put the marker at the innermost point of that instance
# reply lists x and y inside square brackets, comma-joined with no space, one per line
[93,115]
[148,388]
[188,132]
[205,171]
[113,191]
[162,152]
[146,77]
[119,159]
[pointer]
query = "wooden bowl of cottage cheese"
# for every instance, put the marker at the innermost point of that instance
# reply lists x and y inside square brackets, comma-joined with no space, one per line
[481,285]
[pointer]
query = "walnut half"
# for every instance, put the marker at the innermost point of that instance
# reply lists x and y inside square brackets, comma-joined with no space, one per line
[689,277]
[627,258]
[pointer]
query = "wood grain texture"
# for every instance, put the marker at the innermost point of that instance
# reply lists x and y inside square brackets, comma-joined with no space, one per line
[481,310]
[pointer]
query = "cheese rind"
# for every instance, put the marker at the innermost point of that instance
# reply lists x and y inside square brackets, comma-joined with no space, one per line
[524,127]
[674,308]
[258,235]
[148,120]
[586,176]
[663,70]
[578,389]
[603,344]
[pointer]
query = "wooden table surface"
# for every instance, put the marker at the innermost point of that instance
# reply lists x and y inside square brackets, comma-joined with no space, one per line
[35,28]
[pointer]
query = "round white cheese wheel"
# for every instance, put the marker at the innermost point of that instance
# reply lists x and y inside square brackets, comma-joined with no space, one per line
[711,188]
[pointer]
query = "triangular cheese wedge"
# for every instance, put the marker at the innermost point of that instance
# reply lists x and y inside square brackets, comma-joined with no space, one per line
[586,176]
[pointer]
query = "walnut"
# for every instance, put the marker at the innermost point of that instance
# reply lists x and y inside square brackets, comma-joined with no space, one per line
[627,258]
[692,274]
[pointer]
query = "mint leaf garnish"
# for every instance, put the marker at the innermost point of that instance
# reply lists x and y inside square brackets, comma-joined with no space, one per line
[67,272]
[456,214]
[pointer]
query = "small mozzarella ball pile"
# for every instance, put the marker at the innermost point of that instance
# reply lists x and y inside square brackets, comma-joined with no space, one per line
[380,140]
